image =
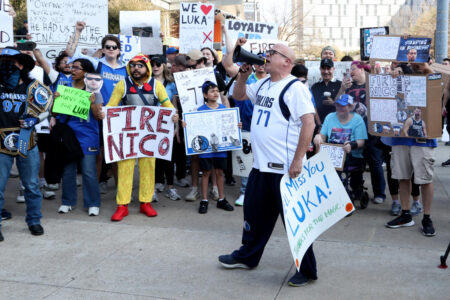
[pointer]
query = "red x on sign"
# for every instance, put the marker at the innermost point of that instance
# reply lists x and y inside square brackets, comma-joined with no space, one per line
[207,36]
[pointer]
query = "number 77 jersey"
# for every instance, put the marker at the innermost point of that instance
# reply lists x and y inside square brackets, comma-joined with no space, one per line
[276,124]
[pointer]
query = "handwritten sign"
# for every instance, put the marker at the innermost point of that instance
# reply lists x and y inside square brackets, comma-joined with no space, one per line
[251,30]
[312,203]
[72,101]
[401,49]
[416,95]
[336,153]
[6,25]
[137,131]
[366,37]
[385,47]
[261,46]
[213,130]
[51,23]
[383,86]
[189,86]
[143,24]
[383,110]
[196,26]
[340,68]
[243,158]
[130,46]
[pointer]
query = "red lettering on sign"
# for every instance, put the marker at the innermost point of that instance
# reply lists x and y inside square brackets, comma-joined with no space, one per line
[112,113]
[128,109]
[131,136]
[142,142]
[146,115]
[118,149]
[162,114]
[164,146]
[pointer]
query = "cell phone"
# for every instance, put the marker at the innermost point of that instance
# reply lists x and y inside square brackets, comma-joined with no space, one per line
[26,46]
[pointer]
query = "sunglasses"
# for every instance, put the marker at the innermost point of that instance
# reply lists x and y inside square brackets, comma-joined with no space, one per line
[272,52]
[109,47]
[76,68]
[93,78]
[156,63]
[139,66]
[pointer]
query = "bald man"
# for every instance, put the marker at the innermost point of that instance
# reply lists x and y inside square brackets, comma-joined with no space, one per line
[281,130]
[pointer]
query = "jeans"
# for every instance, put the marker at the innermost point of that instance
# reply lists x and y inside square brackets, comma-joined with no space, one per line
[91,192]
[29,174]
[374,155]
[244,181]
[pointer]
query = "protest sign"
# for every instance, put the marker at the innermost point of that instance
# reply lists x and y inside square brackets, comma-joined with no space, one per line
[6,25]
[130,46]
[137,131]
[243,158]
[146,25]
[336,153]
[72,101]
[51,23]
[212,130]
[196,26]
[340,68]
[392,101]
[312,203]
[189,86]
[251,30]
[366,39]
[261,46]
[400,49]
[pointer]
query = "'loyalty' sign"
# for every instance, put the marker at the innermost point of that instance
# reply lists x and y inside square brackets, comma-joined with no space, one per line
[137,131]
[72,101]
[130,46]
[251,30]
[196,26]
[312,203]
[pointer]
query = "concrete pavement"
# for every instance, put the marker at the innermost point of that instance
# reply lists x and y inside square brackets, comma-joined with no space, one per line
[174,256]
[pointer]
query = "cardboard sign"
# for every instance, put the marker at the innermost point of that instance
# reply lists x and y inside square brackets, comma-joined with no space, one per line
[251,30]
[137,131]
[214,130]
[189,86]
[130,46]
[6,25]
[243,159]
[401,49]
[196,26]
[405,106]
[51,23]
[73,102]
[366,39]
[146,25]
[261,46]
[444,70]
[340,68]
[337,154]
[312,203]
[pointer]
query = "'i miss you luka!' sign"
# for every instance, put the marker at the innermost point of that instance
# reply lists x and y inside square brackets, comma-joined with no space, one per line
[312,203]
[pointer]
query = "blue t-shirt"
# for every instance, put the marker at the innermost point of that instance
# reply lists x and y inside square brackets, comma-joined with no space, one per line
[62,79]
[213,154]
[338,133]
[171,90]
[395,141]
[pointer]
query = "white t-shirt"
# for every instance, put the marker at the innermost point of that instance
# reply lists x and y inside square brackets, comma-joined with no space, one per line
[275,139]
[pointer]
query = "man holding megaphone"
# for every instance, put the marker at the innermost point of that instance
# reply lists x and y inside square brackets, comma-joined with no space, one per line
[281,130]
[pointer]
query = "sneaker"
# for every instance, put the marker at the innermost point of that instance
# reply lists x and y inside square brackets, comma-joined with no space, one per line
[230,181]
[446,163]
[428,228]
[240,201]
[401,221]
[46,194]
[13,173]
[172,194]
[203,209]
[159,187]
[396,208]
[64,209]
[94,211]
[6,215]
[53,187]
[193,194]
[148,210]
[214,193]
[103,187]
[378,200]
[20,198]
[229,262]
[298,279]
[121,212]
[416,208]
[155,198]
[182,182]
[223,204]
[78,182]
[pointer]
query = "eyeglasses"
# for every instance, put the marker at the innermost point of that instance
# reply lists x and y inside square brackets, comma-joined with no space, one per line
[93,78]
[109,47]
[139,66]
[76,68]
[157,63]
[273,51]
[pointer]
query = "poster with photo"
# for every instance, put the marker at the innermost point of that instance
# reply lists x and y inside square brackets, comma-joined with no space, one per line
[366,39]
[400,48]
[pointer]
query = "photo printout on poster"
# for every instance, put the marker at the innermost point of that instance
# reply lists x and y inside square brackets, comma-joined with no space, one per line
[243,158]
[385,47]
[382,86]
[196,26]
[417,92]
[383,110]
[336,153]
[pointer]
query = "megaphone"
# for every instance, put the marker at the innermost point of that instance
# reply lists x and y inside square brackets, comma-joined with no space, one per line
[242,55]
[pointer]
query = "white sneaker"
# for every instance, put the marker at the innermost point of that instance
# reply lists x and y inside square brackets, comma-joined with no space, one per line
[46,194]
[214,193]
[53,187]
[239,201]
[172,194]
[64,209]
[94,211]
[378,200]
[78,182]
[193,194]
[20,198]
[182,182]
[159,187]
[155,198]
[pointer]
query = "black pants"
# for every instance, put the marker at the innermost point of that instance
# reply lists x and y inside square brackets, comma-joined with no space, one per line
[354,169]
[164,168]
[262,205]
[179,157]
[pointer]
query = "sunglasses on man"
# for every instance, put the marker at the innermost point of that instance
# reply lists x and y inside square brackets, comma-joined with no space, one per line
[93,78]
[110,47]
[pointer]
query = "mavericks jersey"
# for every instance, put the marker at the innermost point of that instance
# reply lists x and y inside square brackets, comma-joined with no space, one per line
[275,139]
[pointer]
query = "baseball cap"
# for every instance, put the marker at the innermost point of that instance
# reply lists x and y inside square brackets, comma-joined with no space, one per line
[344,100]
[206,85]
[171,50]
[326,62]
[195,54]
[180,60]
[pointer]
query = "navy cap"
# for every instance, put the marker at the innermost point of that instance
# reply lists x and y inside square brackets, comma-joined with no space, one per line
[326,62]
